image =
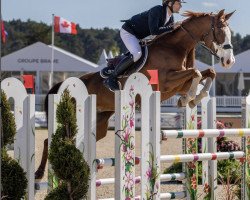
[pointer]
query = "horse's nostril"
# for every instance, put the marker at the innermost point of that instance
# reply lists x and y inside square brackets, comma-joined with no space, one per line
[228,61]
[222,60]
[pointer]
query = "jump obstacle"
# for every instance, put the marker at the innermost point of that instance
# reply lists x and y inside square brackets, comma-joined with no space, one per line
[125,159]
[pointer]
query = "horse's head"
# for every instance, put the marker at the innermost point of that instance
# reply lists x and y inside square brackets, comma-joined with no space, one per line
[215,34]
[219,38]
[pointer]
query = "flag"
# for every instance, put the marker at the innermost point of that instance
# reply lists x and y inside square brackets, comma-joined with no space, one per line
[154,80]
[4,33]
[64,26]
[28,82]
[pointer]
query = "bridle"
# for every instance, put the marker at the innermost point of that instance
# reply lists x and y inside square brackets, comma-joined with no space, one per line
[204,36]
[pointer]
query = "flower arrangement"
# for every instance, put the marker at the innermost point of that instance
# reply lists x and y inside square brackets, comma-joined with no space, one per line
[192,167]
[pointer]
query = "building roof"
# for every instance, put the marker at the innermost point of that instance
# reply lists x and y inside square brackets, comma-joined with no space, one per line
[242,62]
[37,57]
[102,60]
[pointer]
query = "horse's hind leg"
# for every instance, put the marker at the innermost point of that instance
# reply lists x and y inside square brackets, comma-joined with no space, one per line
[102,124]
[191,94]
[209,75]
[101,131]
[40,171]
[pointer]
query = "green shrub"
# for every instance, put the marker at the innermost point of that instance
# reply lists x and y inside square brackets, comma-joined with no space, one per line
[233,166]
[14,181]
[67,161]
[8,120]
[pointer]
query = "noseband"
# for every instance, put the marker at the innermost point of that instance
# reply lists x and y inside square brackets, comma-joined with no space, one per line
[202,40]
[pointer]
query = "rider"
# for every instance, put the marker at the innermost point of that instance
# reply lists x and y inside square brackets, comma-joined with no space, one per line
[155,21]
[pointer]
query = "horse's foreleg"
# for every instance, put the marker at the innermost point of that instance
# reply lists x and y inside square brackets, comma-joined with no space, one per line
[203,93]
[209,75]
[191,94]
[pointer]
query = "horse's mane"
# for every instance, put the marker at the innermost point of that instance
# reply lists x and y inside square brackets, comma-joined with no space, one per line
[190,15]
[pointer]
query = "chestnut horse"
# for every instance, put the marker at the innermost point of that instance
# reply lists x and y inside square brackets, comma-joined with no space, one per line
[172,54]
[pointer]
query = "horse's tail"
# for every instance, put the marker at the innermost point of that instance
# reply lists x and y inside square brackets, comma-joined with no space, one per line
[53,90]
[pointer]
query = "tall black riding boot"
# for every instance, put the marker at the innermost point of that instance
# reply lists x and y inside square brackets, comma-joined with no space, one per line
[112,81]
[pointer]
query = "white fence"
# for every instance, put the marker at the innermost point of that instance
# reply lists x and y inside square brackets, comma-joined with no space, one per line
[24,146]
[221,101]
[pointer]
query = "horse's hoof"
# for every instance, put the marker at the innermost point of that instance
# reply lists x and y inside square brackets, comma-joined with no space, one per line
[191,104]
[39,174]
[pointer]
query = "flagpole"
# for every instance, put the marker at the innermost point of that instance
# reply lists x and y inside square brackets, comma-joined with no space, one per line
[52,53]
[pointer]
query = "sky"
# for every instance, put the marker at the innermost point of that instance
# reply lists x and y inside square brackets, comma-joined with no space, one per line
[108,13]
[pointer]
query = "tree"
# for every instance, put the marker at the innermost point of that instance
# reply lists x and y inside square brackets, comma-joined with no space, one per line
[67,161]
[14,182]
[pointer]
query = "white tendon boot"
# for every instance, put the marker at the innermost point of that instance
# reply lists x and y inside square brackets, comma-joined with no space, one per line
[184,100]
[203,93]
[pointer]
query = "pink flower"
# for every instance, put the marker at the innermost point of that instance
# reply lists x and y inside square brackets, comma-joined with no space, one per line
[149,173]
[124,148]
[129,155]
[132,103]
[194,182]
[191,165]
[199,124]
[131,122]
[206,188]
[126,135]
[129,182]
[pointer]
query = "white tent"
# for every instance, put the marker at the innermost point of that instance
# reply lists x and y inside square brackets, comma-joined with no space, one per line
[102,60]
[37,58]
[237,77]
[110,55]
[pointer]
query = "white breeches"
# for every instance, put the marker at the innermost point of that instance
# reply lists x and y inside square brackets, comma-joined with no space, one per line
[132,44]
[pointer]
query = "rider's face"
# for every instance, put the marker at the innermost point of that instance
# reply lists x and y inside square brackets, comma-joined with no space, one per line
[177,6]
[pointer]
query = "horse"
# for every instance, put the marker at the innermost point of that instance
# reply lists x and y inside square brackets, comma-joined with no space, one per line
[173,55]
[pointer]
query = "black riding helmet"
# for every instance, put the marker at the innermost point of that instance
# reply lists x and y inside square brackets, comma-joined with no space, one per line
[165,3]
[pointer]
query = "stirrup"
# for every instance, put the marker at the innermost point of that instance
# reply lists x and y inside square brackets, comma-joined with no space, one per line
[112,84]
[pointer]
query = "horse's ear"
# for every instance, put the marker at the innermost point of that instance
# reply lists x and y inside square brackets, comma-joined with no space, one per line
[221,13]
[227,16]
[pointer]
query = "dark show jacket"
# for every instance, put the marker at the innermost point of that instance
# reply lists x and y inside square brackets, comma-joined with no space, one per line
[150,22]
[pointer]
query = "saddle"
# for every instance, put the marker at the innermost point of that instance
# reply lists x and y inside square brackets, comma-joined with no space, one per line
[135,67]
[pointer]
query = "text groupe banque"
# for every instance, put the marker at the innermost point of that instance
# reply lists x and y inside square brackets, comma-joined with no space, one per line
[35,60]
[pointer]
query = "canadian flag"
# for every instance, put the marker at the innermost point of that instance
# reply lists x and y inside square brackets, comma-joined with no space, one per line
[64,26]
